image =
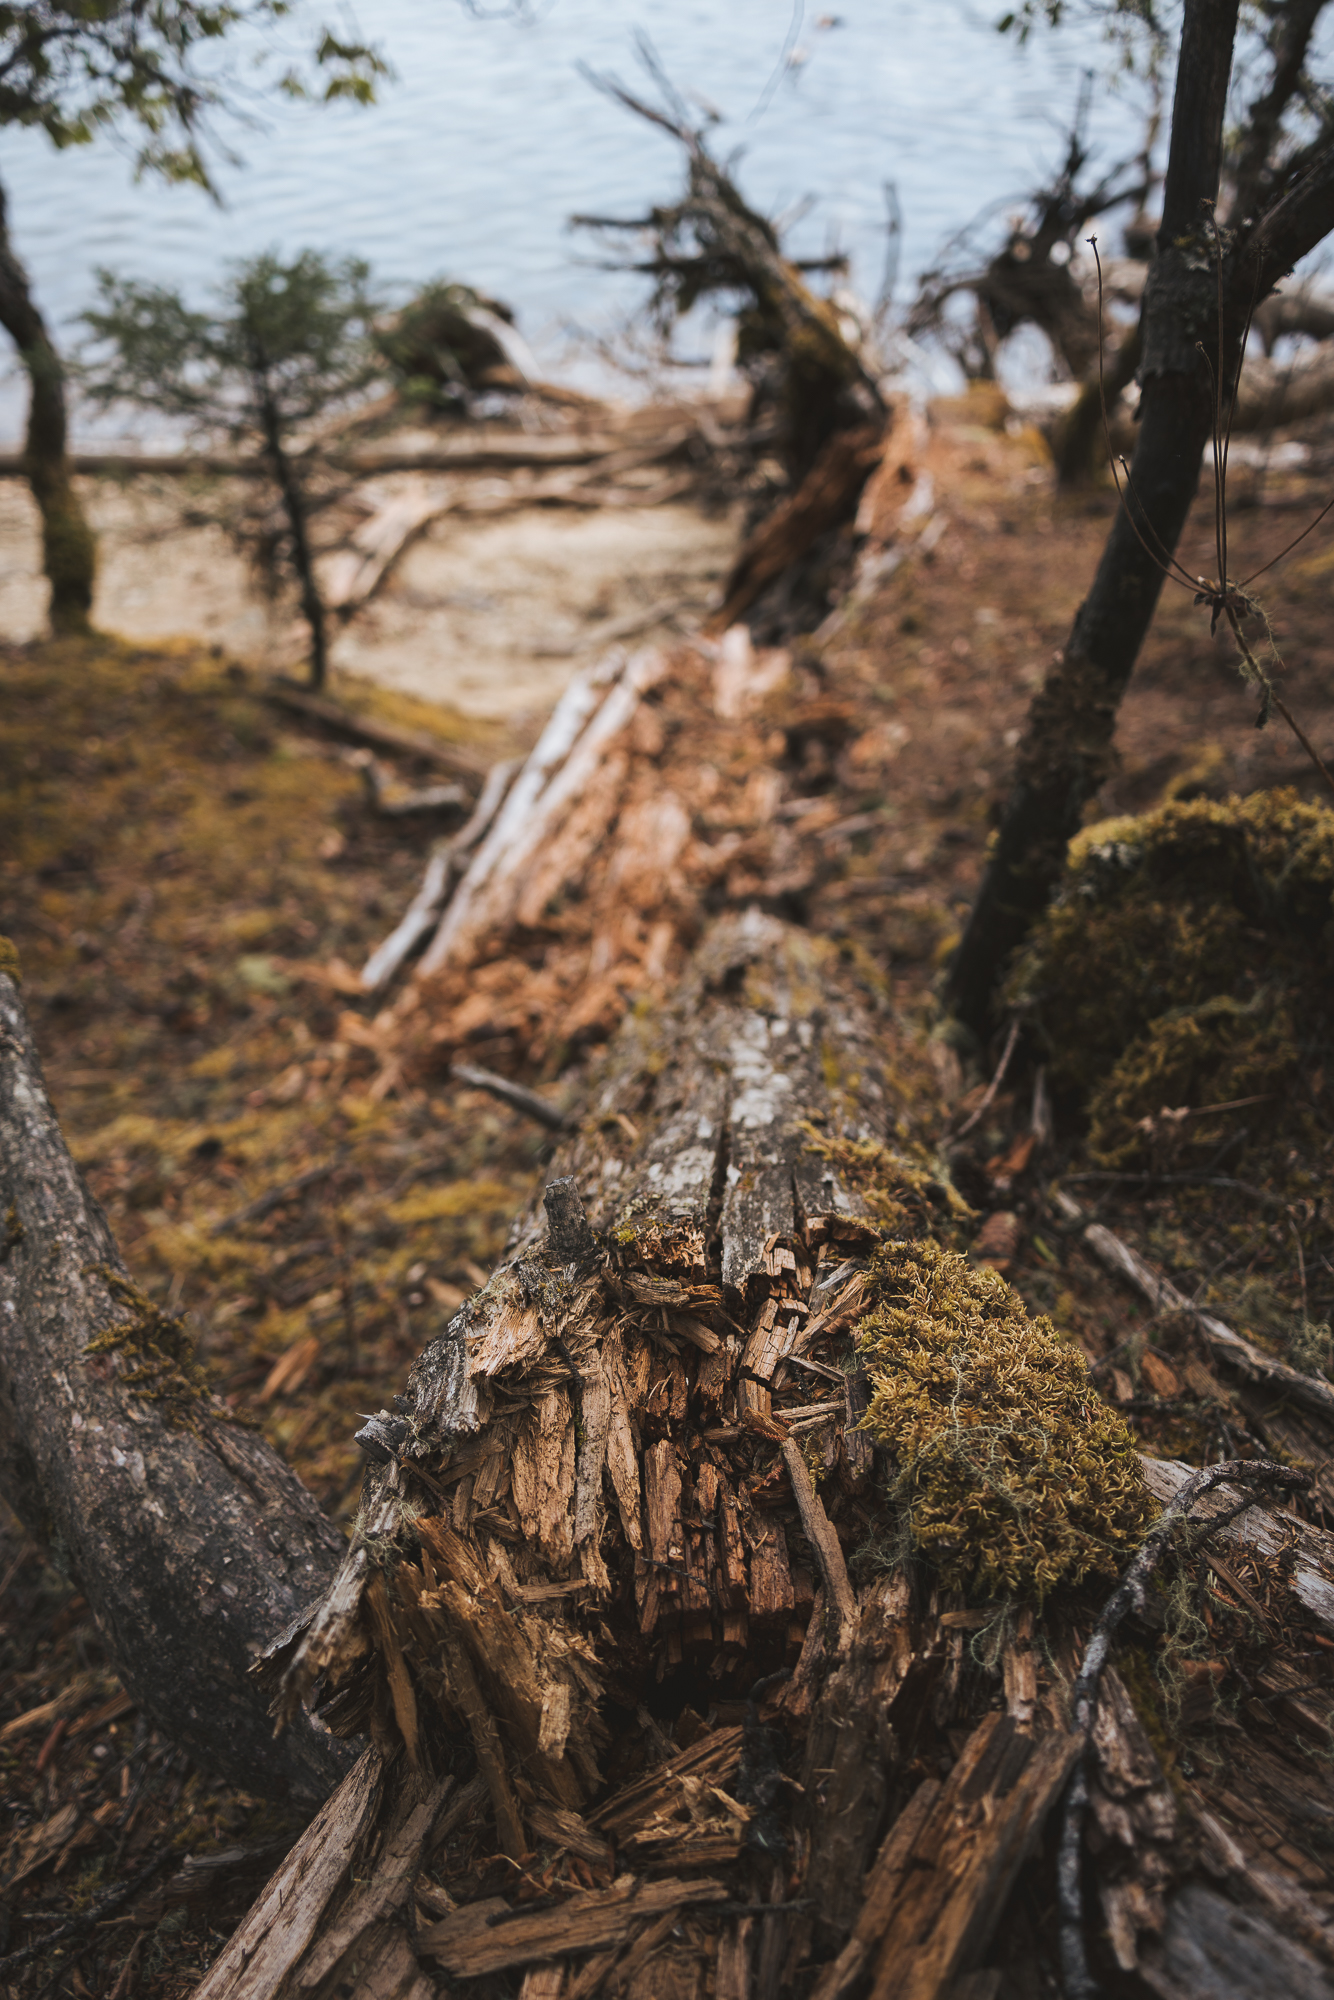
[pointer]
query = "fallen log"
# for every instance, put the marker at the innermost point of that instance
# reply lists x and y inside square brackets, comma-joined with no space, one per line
[191,1540]
[601,1567]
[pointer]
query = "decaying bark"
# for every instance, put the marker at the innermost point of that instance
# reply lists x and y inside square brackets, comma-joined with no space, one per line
[191,1540]
[577,1509]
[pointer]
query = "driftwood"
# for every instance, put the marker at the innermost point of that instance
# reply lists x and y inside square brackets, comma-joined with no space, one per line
[191,1540]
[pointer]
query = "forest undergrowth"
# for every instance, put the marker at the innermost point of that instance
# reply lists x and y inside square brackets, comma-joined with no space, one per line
[192,880]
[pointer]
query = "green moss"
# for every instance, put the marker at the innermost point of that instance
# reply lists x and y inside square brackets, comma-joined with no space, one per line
[156,1345]
[1186,964]
[906,1197]
[9,961]
[1016,1478]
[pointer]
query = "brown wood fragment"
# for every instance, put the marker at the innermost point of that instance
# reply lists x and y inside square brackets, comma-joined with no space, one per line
[771,1592]
[828,1549]
[466,1696]
[878,1896]
[965,1858]
[285,1918]
[396,1671]
[469,1944]
[851,1749]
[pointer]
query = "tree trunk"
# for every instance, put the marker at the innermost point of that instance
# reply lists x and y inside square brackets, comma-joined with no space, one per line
[69,551]
[1063,758]
[294,506]
[191,1540]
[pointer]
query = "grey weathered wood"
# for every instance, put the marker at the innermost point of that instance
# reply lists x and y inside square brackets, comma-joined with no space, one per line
[191,1540]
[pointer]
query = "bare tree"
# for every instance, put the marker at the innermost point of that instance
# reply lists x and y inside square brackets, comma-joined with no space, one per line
[1202,287]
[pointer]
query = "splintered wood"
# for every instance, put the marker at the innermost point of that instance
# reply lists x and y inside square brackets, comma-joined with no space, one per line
[590,880]
[626,1612]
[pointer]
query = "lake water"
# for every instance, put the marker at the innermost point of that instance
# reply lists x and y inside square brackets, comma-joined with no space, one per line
[489,138]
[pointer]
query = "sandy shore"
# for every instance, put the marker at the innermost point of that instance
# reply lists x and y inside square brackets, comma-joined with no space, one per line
[492,615]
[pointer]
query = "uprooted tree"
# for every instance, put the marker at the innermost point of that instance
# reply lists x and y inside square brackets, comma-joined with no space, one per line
[810,363]
[1206,277]
[73,71]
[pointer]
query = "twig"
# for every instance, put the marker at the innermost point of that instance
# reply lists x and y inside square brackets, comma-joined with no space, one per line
[1311,1391]
[264,1204]
[1129,1595]
[514,1094]
[465,764]
[823,1538]
[989,1096]
[87,1918]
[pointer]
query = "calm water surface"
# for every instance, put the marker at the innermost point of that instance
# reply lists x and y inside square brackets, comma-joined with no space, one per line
[490,138]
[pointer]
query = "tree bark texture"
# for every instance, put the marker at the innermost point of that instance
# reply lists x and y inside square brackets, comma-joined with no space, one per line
[69,551]
[1063,758]
[191,1540]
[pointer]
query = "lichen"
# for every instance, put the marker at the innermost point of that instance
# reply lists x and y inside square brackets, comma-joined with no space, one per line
[1015,1477]
[162,1364]
[1186,965]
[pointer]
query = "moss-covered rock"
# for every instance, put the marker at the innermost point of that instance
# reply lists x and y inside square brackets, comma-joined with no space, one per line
[1014,1475]
[1186,964]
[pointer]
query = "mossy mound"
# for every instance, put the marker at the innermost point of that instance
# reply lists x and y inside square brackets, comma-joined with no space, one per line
[1015,1477]
[1186,965]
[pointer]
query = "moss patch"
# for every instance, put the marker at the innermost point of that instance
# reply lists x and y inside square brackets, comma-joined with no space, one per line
[1015,1476]
[1186,966]
[157,1350]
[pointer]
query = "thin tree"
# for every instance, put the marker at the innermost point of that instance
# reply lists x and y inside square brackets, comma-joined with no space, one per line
[75,71]
[1205,280]
[288,345]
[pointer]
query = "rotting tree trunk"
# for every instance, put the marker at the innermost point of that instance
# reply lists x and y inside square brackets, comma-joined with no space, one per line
[69,551]
[191,1540]
[578,1524]
[1063,757]
[640,1724]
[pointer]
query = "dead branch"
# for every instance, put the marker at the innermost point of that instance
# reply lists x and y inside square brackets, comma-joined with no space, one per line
[1312,1392]
[331,715]
[513,1094]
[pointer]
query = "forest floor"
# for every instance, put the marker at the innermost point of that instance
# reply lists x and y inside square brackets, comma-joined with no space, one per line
[192,877]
